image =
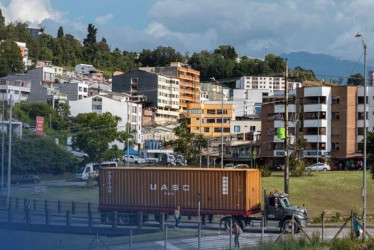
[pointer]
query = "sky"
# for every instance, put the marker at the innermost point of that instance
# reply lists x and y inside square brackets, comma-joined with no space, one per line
[252,27]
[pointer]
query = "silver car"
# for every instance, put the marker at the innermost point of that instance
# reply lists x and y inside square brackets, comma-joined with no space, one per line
[318,167]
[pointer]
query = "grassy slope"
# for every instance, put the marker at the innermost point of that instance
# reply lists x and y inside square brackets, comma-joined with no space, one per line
[324,191]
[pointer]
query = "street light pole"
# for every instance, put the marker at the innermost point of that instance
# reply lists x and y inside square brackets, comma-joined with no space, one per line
[286,157]
[364,166]
[2,147]
[222,127]
[9,152]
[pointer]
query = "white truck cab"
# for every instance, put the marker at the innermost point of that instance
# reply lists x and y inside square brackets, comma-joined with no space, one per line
[92,170]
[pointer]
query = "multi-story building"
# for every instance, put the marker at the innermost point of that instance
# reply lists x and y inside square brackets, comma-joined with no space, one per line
[329,118]
[213,91]
[206,118]
[15,87]
[42,88]
[130,113]
[161,92]
[265,83]
[96,88]
[24,54]
[74,89]
[189,82]
[243,143]
[85,69]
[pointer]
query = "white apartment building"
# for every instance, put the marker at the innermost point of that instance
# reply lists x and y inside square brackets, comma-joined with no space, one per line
[17,89]
[167,100]
[161,93]
[85,69]
[265,82]
[130,113]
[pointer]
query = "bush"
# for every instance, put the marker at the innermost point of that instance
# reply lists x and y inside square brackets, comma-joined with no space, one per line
[265,171]
[40,154]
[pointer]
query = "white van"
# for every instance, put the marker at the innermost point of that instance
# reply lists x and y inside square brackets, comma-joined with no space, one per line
[92,169]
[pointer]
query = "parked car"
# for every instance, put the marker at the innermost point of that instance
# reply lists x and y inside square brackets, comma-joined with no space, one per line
[241,166]
[133,159]
[318,167]
[30,178]
[229,165]
[79,154]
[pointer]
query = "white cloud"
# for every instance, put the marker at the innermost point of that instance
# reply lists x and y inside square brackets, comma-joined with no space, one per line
[32,11]
[104,19]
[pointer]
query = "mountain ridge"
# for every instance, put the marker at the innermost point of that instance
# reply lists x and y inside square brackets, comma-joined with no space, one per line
[325,67]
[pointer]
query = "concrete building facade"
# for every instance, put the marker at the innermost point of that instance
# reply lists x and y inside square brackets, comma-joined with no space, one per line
[189,82]
[329,118]
[130,113]
[162,93]
[206,118]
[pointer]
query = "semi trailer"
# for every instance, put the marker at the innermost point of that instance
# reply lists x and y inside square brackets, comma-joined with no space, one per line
[235,194]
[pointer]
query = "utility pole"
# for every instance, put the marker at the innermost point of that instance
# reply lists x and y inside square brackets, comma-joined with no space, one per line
[222,127]
[2,148]
[286,158]
[9,151]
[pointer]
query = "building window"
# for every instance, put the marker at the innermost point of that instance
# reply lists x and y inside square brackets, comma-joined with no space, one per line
[335,146]
[360,131]
[360,115]
[219,112]
[211,120]
[252,128]
[206,129]
[193,111]
[236,128]
[335,115]
[360,100]
[335,100]
[211,112]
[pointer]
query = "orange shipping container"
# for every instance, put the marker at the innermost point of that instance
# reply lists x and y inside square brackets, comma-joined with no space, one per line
[155,190]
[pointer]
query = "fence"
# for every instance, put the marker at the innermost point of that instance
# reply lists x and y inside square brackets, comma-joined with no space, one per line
[83,218]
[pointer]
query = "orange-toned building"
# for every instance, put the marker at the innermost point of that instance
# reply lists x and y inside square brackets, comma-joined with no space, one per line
[205,118]
[189,82]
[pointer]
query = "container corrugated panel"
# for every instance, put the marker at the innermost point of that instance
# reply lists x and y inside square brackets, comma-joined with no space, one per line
[234,191]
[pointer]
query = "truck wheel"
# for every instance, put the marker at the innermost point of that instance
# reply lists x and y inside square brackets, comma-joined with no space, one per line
[123,219]
[287,227]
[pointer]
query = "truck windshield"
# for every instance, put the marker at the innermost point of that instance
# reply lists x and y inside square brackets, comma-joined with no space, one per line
[81,170]
[284,201]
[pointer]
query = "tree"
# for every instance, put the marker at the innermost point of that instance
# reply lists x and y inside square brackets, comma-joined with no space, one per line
[39,154]
[93,134]
[187,143]
[60,32]
[10,58]
[356,79]
[227,51]
[302,75]
[91,35]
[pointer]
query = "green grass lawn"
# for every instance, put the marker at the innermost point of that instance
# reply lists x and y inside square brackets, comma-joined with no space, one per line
[332,192]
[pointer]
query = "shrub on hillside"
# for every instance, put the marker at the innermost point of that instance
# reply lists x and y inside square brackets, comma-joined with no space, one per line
[39,154]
